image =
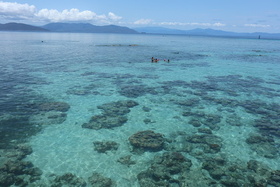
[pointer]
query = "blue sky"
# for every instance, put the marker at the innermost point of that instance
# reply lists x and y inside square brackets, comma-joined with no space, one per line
[237,15]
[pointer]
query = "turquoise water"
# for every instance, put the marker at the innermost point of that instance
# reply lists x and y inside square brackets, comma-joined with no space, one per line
[216,104]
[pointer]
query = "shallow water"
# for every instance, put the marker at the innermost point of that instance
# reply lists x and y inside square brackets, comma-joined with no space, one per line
[230,87]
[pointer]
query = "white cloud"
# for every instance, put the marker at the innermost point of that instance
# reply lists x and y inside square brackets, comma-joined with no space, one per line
[256,25]
[16,10]
[29,12]
[219,24]
[143,21]
[113,16]
[66,15]
[193,24]
[75,15]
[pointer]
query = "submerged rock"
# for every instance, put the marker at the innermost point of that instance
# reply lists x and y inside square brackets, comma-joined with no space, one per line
[262,145]
[79,91]
[188,102]
[103,147]
[228,173]
[19,152]
[195,122]
[204,130]
[207,143]
[97,180]
[68,179]
[7,179]
[126,160]
[103,121]
[49,113]
[147,121]
[57,106]
[147,140]
[15,130]
[146,109]
[257,167]
[274,178]
[113,115]
[165,170]
[48,118]
[107,107]
[117,108]
[200,117]
[134,91]
[197,145]
[234,120]
[18,173]
[269,126]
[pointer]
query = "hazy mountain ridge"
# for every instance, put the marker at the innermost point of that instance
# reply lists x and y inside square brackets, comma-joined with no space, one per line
[205,32]
[21,27]
[67,27]
[87,28]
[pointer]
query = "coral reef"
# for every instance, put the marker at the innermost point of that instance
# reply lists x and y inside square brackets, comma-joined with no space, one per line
[239,174]
[262,145]
[165,170]
[103,147]
[196,145]
[48,118]
[102,121]
[188,102]
[15,171]
[113,115]
[68,179]
[199,118]
[147,140]
[146,109]
[57,106]
[97,180]
[134,91]
[16,130]
[50,113]
[126,160]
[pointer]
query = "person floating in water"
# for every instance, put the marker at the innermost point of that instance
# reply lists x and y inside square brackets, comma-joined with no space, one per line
[154,60]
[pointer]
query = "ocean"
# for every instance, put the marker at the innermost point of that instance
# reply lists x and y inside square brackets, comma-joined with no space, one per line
[94,110]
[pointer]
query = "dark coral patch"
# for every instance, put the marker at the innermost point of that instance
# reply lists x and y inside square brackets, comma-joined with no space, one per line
[57,106]
[103,147]
[147,140]
[97,180]
[165,170]
[134,91]
[113,115]
[102,121]
[68,179]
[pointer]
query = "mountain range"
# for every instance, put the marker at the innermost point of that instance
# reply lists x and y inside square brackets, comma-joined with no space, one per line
[21,27]
[207,32]
[89,28]
[67,27]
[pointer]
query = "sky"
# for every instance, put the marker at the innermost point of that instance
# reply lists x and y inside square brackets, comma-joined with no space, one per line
[227,15]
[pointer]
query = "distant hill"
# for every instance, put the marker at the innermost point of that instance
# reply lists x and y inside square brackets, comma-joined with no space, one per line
[87,28]
[159,30]
[21,27]
[206,32]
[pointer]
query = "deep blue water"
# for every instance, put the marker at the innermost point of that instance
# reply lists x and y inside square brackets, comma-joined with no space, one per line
[209,117]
